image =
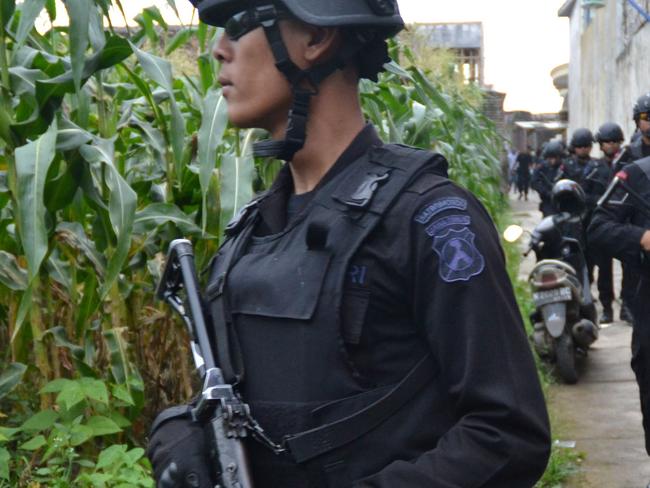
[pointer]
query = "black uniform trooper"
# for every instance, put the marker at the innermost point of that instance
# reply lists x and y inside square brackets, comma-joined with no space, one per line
[598,174]
[371,325]
[621,229]
[638,148]
[546,174]
[580,163]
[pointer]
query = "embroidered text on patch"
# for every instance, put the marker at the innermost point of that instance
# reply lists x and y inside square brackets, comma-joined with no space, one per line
[440,206]
[440,224]
[459,258]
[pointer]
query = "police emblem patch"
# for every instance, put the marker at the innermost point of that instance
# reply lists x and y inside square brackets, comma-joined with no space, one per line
[459,258]
[440,224]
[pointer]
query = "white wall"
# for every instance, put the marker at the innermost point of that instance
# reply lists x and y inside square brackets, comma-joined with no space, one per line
[607,73]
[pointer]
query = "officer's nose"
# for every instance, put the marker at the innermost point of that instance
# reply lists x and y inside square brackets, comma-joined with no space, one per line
[222,51]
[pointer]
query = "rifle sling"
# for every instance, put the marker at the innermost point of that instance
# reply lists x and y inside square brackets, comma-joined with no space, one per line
[321,440]
[229,357]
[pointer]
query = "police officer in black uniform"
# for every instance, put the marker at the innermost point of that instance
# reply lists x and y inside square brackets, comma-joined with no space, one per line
[580,163]
[598,174]
[546,174]
[638,148]
[640,145]
[621,228]
[364,287]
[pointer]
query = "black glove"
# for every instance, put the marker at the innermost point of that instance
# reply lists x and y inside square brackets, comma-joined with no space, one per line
[178,452]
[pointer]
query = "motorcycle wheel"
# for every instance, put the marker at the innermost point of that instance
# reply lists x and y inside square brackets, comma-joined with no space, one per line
[565,359]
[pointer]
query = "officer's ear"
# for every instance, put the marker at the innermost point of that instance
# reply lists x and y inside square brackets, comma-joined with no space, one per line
[312,44]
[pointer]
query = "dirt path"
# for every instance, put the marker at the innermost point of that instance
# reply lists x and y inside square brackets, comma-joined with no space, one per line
[601,413]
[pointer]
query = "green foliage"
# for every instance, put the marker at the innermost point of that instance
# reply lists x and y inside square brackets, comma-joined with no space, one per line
[562,464]
[58,446]
[108,152]
[410,108]
[442,65]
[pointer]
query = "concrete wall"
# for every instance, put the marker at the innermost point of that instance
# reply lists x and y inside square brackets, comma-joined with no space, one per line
[609,67]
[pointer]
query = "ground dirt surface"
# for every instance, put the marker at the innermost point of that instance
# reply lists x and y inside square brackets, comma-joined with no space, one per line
[601,412]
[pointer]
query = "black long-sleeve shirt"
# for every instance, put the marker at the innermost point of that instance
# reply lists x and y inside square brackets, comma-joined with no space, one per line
[616,228]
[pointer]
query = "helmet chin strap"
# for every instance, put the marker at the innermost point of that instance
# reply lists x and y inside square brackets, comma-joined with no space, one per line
[304,85]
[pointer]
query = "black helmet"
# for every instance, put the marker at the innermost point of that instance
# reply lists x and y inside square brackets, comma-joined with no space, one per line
[582,138]
[375,13]
[370,22]
[610,132]
[553,149]
[641,106]
[568,196]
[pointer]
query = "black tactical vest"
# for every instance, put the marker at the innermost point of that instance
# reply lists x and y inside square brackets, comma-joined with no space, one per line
[277,301]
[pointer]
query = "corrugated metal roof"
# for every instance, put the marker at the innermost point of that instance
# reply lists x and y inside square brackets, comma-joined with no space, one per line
[453,36]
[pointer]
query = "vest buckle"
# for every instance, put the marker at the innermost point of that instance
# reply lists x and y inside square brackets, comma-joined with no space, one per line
[237,222]
[366,190]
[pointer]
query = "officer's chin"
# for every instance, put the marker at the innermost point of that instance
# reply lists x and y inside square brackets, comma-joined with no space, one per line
[242,120]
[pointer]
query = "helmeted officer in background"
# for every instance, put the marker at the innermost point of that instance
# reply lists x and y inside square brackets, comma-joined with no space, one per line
[367,315]
[639,148]
[622,230]
[580,163]
[598,174]
[546,174]
[610,138]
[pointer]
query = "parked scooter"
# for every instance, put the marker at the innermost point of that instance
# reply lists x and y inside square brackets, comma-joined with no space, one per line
[565,319]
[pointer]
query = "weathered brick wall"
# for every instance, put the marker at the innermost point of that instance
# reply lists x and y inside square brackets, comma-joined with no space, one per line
[609,67]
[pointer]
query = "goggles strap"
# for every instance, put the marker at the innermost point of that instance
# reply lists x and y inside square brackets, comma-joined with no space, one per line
[296,132]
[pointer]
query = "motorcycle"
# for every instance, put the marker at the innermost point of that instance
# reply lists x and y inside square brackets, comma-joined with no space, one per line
[565,320]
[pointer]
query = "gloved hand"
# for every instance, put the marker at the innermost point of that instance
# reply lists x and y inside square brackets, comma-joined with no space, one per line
[178,453]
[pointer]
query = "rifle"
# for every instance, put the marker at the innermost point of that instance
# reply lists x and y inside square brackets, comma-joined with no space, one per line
[220,409]
[620,181]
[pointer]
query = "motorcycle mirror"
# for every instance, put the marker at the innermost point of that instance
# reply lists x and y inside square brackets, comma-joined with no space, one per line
[513,233]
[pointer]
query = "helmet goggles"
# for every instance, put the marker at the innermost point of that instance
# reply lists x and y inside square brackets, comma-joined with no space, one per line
[248,20]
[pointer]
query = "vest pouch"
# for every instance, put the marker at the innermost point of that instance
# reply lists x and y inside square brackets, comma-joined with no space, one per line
[354,308]
[296,277]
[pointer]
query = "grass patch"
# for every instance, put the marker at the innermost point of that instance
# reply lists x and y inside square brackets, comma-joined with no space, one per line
[564,463]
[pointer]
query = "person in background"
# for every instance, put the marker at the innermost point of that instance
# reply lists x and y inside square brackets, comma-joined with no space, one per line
[580,162]
[600,172]
[524,163]
[546,173]
[512,174]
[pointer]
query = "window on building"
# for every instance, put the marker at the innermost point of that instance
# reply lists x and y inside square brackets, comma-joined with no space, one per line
[632,20]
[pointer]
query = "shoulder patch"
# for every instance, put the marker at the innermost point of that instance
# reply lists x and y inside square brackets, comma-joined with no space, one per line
[452,220]
[460,260]
[450,203]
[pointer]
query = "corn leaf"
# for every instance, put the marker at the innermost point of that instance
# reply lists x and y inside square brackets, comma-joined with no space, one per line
[10,378]
[32,163]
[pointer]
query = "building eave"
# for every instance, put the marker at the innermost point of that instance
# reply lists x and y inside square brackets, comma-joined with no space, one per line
[567,9]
